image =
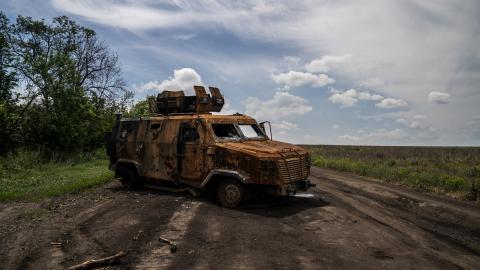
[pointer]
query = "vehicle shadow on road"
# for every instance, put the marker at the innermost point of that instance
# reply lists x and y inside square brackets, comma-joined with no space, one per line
[279,207]
[267,205]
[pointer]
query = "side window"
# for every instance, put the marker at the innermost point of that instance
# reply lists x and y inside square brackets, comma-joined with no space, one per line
[188,134]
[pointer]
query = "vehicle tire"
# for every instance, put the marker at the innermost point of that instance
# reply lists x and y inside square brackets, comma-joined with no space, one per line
[230,193]
[130,179]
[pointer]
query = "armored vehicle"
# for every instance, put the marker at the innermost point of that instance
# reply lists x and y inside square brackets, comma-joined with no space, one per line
[183,146]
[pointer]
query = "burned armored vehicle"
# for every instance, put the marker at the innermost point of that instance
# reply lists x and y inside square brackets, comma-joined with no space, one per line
[183,146]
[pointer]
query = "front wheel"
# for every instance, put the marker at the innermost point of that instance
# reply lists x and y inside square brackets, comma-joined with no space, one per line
[230,193]
[130,180]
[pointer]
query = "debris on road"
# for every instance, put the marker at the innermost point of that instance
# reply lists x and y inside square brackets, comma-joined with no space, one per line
[99,262]
[173,247]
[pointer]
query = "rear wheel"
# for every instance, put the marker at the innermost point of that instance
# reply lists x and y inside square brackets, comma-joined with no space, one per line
[130,179]
[230,193]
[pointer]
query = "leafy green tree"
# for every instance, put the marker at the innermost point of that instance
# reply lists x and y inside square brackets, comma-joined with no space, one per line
[72,82]
[141,108]
[9,132]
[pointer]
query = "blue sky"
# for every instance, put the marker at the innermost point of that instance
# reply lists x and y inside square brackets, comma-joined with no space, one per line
[330,72]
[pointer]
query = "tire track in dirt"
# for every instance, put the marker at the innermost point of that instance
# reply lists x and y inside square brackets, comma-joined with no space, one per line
[160,256]
[404,219]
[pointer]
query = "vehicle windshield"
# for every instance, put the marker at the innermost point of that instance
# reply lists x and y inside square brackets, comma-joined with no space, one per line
[250,131]
[225,131]
[237,132]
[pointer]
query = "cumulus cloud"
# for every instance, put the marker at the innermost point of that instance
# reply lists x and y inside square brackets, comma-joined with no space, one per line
[281,106]
[391,103]
[327,62]
[368,96]
[182,79]
[286,125]
[184,37]
[349,98]
[346,99]
[372,82]
[439,97]
[298,78]
[349,138]
[395,134]
[377,136]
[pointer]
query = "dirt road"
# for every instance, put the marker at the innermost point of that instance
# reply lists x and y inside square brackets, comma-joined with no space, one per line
[350,223]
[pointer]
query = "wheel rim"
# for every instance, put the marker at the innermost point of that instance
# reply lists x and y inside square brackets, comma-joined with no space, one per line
[232,194]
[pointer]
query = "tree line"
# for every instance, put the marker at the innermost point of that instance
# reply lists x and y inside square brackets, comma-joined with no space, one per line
[59,85]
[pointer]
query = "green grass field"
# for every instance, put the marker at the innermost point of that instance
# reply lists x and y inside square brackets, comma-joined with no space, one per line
[454,171]
[27,176]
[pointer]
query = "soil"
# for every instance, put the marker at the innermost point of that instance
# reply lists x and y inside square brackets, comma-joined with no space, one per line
[347,222]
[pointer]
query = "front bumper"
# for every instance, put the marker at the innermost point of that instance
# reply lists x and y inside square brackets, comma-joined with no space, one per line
[294,187]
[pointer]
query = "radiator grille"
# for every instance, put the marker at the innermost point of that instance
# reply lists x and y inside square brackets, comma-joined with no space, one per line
[293,169]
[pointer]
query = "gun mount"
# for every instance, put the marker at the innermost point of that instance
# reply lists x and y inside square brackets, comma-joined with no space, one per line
[169,102]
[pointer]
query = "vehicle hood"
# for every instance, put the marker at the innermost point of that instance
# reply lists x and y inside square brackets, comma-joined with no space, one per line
[267,148]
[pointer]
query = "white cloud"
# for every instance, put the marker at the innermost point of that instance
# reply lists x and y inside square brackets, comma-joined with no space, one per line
[346,99]
[378,136]
[291,59]
[368,96]
[395,134]
[439,97]
[184,36]
[391,103]
[281,106]
[336,126]
[298,78]
[327,62]
[182,79]
[349,98]
[417,125]
[285,125]
[372,82]
[349,138]
[227,108]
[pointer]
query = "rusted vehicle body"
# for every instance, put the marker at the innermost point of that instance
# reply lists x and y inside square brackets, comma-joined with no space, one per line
[198,150]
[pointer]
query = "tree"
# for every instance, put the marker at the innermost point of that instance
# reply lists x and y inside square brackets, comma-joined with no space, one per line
[9,135]
[142,108]
[72,82]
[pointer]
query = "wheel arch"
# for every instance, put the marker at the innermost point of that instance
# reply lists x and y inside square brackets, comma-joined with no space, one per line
[215,176]
[128,164]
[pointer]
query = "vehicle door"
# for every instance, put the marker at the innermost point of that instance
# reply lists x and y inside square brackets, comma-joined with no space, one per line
[190,157]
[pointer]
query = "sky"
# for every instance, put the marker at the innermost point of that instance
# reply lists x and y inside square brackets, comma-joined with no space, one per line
[375,72]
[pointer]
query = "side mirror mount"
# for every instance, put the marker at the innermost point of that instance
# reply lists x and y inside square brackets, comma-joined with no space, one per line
[262,126]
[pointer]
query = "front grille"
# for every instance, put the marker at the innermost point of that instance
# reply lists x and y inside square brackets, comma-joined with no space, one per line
[293,169]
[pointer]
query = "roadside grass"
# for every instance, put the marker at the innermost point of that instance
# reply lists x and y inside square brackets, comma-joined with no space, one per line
[447,170]
[26,175]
